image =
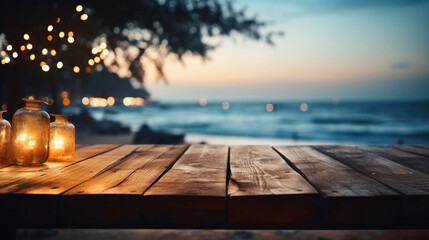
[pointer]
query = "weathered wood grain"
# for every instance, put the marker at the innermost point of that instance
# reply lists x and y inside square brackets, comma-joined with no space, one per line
[414,185]
[264,191]
[350,199]
[114,196]
[413,149]
[410,160]
[192,193]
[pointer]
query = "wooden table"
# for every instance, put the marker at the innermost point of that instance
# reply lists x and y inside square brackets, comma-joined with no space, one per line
[222,187]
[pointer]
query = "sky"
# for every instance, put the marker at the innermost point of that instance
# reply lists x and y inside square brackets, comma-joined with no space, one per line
[351,50]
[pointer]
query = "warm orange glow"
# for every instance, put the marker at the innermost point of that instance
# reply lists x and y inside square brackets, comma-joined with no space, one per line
[3,53]
[84,17]
[70,39]
[102,56]
[76,69]
[53,52]
[7,60]
[3,61]
[50,28]
[70,34]
[225,105]
[90,62]
[304,107]
[103,45]
[45,68]
[269,107]
[79,8]
[22,48]
[64,94]
[58,19]
[26,36]
[94,50]
[66,101]
[49,38]
[29,46]
[60,65]
[203,102]
[9,47]
[42,63]
[110,101]
[44,51]
[14,54]
[85,101]
[88,69]
[32,57]
[96,59]
[105,51]
[61,34]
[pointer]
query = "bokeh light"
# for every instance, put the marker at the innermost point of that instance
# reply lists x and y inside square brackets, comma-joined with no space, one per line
[79,8]
[203,102]
[225,105]
[269,107]
[60,65]
[304,107]
[50,28]
[26,36]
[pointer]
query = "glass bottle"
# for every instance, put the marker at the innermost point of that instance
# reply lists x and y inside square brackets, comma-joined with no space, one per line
[62,139]
[30,134]
[4,137]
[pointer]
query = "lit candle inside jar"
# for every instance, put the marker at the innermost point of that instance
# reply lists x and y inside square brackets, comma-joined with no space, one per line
[27,153]
[57,149]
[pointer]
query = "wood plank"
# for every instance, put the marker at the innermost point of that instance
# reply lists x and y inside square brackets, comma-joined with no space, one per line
[410,160]
[414,150]
[414,185]
[350,199]
[35,200]
[422,146]
[192,194]
[265,192]
[113,198]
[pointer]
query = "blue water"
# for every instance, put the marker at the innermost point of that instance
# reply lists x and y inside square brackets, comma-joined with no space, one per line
[346,122]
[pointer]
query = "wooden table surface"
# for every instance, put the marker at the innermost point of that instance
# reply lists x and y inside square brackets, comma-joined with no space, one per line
[222,187]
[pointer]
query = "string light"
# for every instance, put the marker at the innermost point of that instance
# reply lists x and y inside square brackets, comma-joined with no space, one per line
[50,28]
[61,34]
[29,46]
[49,37]
[105,52]
[76,69]
[9,47]
[70,39]
[7,60]
[22,48]
[3,53]
[44,51]
[53,52]
[45,68]
[102,56]
[42,63]
[94,51]
[84,17]
[3,61]
[26,36]
[32,57]
[58,19]
[103,45]
[70,34]
[60,65]
[90,62]
[14,54]
[96,59]
[79,8]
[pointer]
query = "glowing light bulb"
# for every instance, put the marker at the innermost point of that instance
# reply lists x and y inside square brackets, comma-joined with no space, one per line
[84,17]
[32,57]
[61,34]
[22,48]
[50,28]
[304,107]
[58,19]
[70,39]
[70,34]
[49,38]
[26,36]
[45,68]
[44,51]
[94,51]
[3,53]
[29,46]
[9,47]
[105,52]
[85,101]
[60,65]
[7,60]
[90,62]
[79,8]
[3,61]
[76,69]
[14,54]
[103,45]
[53,52]
[96,59]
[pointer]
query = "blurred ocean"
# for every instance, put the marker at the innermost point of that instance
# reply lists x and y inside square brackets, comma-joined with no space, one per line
[248,122]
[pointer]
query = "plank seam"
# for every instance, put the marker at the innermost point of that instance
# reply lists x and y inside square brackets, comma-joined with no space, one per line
[406,151]
[110,166]
[166,169]
[345,163]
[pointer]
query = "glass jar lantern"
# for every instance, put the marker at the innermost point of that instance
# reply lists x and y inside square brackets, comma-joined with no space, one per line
[62,139]
[4,137]
[30,134]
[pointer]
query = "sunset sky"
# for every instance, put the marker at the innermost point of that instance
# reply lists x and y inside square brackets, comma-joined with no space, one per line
[333,48]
